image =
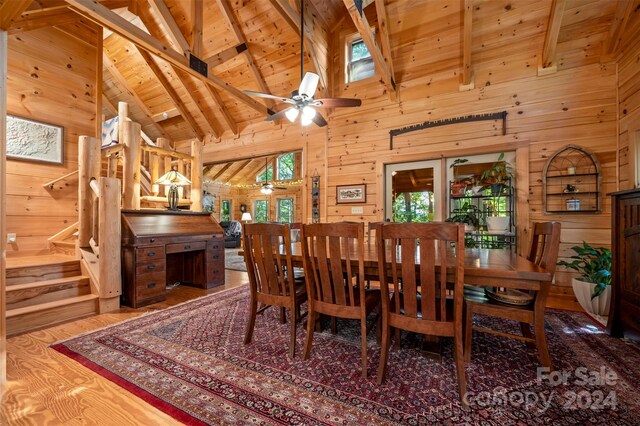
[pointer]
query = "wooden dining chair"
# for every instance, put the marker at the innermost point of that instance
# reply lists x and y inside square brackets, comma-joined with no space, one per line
[333,258]
[545,243]
[272,279]
[424,302]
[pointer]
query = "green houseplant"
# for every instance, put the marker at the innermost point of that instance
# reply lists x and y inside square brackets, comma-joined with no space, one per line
[493,180]
[468,214]
[458,184]
[593,288]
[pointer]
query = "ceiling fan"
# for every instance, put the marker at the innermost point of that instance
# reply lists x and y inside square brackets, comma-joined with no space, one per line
[301,100]
[267,188]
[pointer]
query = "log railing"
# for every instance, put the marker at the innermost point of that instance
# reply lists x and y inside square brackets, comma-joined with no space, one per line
[99,223]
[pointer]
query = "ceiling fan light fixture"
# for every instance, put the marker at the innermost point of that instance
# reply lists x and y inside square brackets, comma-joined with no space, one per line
[309,112]
[292,114]
[266,190]
[305,120]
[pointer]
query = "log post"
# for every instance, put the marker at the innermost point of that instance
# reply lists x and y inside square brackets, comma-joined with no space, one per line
[112,165]
[165,165]
[123,114]
[182,172]
[88,167]
[196,176]
[154,172]
[131,166]
[109,261]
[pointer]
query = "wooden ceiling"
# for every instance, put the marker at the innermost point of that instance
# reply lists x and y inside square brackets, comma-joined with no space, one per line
[254,45]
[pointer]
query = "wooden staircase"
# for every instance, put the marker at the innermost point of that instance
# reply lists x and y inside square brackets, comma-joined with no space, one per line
[46,290]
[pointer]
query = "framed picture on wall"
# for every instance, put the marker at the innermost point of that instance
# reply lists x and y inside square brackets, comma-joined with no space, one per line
[351,194]
[32,140]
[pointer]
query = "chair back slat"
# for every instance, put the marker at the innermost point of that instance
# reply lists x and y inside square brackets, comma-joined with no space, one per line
[268,258]
[545,244]
[424,295]
[333,255]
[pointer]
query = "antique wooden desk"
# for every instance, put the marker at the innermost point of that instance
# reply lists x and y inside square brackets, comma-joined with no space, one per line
[164,247]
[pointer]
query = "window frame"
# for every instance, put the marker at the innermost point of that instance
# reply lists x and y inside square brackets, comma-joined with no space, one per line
[349,42]
[255,208]
[230,211]
[292,212]
[293,172]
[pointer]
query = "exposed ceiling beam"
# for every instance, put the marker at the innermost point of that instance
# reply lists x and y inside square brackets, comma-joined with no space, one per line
[129,31]
[165,115]
[232,23]
[196,28]
[292,18]
[225,55]
[211,127]
[11,10]
[177,102]
[363,27]
[124,84]
[383,25]
[618,25]
[29,21]
[553,30]
[145,15]
[242,166]
[223,109]
[163,13]
[221,171]
[466,41]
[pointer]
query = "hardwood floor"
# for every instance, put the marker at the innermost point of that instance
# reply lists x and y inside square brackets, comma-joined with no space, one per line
[45,387]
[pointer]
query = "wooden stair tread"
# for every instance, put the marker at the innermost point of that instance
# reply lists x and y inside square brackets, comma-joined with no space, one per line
[54,281]
[33,261]
[50,305]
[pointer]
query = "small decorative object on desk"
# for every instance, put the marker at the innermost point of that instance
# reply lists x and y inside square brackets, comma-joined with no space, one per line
[573,204]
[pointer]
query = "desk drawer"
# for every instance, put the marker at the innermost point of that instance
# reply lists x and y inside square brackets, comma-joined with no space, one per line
[182,247]
[150,254]
[150,285]
[150,267]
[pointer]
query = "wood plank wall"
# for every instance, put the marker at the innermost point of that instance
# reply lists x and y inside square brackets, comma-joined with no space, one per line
[629,113]
[51,78]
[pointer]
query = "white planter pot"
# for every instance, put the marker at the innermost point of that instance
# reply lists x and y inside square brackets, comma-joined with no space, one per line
[497,224]
[599,305]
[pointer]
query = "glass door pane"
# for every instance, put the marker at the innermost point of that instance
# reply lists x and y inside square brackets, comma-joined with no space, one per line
[413,192]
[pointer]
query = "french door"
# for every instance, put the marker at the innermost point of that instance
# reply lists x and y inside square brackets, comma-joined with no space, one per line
[413,191]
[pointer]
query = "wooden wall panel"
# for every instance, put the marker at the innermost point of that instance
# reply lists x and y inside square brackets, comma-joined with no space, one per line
[51,77]
[629,112]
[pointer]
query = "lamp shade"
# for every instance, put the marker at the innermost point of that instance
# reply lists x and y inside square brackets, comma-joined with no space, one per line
[246,217]
[172,177]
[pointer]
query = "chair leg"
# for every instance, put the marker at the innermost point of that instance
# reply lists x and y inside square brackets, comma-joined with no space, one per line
[468,329]
[334,326]
[283,315]
[384,351]
[292,339]
[541,342]
[396,338]
[460,372]
[253,308]
[312,317]
[526,332]
[363,342]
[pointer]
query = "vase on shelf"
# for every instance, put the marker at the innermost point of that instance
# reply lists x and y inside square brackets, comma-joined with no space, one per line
[497,224]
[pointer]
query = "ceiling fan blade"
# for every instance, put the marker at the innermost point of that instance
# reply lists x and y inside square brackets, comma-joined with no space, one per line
[268,96]
[319,120]
[278,115]
[309,84]
[337,102]
[279,187]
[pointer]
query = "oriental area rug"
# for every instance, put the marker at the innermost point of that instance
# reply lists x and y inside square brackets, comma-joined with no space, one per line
[234,261]
[190,361]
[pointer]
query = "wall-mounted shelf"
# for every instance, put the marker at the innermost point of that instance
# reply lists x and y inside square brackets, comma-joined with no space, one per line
[571,182]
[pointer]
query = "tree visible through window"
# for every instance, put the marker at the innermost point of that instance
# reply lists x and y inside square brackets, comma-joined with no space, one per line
[261,211]
[225,214]
[284,210]
[265,175]
[286,166]
[413,207]
[360,62]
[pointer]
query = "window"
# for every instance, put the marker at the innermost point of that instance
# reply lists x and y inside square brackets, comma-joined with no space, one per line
[261,211]
[284,210]
[265,175]
[360,62]
[285,168]
[225,214]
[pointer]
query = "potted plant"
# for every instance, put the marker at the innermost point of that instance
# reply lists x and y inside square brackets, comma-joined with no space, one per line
[494,177]
[459,183]
[593,288]
[467,213]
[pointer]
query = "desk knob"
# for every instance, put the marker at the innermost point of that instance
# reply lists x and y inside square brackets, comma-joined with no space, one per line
[151,266]
[151,253]
[187,247]
[152,240]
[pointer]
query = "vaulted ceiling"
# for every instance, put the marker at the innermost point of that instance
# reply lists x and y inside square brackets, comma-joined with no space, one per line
[255,45]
